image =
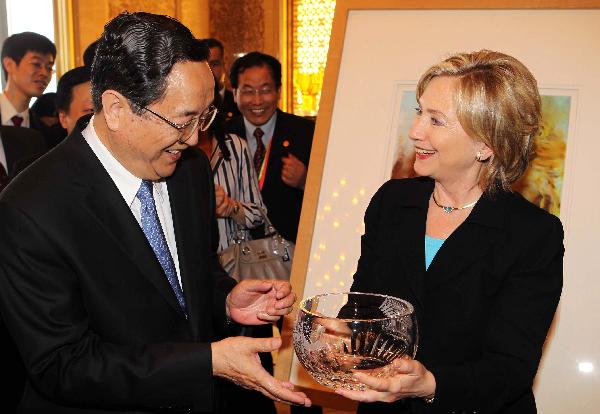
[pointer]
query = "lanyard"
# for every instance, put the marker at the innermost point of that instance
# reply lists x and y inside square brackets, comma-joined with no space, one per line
[263,167]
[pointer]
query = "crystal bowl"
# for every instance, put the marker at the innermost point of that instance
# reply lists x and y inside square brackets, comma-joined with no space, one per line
[336,334]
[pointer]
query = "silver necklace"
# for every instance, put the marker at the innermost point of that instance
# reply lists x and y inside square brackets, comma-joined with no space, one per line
[449,209]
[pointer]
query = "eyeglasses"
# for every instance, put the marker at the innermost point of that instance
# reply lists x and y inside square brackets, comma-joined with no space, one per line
[250,92]
[186,130]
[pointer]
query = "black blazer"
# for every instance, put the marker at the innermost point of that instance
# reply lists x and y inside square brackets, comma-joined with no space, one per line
[20,144]
[82,293]
[485,304]
[50,137]
[292,134]
[228,107]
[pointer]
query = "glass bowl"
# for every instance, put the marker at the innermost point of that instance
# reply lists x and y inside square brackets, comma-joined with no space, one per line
[336,334]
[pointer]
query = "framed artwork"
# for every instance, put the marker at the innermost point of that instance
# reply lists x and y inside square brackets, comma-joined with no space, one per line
[378,50]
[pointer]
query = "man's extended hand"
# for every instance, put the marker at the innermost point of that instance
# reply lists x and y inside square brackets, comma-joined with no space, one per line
[256,302]
[293,172]
[236,359]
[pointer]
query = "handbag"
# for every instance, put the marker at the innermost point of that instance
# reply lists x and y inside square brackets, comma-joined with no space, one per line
[269,257]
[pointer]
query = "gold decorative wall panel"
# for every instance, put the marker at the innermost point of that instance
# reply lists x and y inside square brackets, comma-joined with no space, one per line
[245,26]
[239,25]
[89,17]
[158,7]
[311,29]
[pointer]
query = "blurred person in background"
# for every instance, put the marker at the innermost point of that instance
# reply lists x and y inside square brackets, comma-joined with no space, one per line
[28,64]
[237,194]
[226,104]
[74,97]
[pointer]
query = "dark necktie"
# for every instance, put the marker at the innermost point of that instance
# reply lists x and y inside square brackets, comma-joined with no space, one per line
[17,120]
[3,177]
[259,155]
[156,237]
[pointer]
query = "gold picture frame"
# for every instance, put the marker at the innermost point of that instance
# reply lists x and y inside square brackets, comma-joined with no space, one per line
[334,97]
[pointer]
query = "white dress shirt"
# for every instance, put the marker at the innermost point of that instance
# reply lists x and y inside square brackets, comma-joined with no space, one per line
[128,185]
[7,111]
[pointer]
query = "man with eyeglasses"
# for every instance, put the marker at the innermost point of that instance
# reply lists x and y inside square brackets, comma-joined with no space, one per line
[279,142]
[280,145]
[109,278]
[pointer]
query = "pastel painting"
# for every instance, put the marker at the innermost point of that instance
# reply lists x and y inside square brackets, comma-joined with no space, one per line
[542,182]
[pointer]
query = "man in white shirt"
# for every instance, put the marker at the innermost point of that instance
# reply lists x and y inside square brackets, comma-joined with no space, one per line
[27,63]
[109,279]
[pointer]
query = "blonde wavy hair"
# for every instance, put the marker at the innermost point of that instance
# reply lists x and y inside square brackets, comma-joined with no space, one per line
[498,103]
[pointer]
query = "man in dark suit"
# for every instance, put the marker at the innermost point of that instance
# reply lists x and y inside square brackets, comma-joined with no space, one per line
[280,146]
[27,63]
[109,281]
[16,145]
[216,52]
[279,142]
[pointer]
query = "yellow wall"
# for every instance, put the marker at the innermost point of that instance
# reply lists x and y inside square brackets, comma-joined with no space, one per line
[89,17]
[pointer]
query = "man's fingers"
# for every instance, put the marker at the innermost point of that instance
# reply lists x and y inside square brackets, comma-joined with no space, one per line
[287,385]
[281,393]
[266,344]
[282,288]
[264,316]
[286,302]
[260,286]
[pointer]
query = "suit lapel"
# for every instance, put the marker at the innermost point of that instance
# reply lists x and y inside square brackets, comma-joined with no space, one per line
[103,201]
[280,133]
[411,251]
[12,150]
[410,229]
[187,242]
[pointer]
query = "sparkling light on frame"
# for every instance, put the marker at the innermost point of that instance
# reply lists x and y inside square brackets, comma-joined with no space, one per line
[335,261]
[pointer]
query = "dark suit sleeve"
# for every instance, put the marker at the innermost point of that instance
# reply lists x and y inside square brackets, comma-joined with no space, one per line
[305,130]
[67,362]
[519,319]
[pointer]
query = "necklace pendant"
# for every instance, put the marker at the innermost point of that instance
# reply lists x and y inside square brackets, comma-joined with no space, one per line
[447,210]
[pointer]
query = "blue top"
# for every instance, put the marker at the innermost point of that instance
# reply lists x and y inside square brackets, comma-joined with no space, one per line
[432,245]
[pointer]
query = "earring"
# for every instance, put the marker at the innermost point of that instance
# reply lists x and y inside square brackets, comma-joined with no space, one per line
[479,156]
